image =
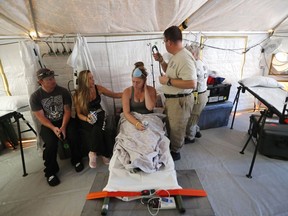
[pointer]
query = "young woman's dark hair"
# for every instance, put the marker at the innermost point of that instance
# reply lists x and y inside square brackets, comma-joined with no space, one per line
[140,66]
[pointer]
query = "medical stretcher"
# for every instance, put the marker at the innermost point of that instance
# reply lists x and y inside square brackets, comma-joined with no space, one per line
[176,193]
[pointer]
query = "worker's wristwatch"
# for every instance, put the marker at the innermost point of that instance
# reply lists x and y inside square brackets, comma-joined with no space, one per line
[169,82]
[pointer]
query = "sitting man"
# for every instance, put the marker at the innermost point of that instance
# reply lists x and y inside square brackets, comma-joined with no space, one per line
[51,104]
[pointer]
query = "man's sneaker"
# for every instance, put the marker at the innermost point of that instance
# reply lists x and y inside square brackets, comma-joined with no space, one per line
[198,134]
[92,159]
[79,167]
[187,140]
[175,155]
[53,180]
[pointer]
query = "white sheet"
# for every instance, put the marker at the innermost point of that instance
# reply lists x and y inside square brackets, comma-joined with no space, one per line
[274,96]
[121,179]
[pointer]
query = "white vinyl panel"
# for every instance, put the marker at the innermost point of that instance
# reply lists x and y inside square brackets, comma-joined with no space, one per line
[226,55]
[13,69]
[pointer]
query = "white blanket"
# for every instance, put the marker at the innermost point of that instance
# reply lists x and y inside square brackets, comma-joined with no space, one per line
[147,150]
[121,179]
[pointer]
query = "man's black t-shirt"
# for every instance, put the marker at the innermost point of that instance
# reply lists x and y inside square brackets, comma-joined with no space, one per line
[51,103]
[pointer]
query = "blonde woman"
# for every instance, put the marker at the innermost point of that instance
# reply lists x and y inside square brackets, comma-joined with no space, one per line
[91,116]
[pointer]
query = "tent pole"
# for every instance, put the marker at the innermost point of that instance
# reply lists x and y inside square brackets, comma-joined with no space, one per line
[276,26]
[33,18]
[4,78]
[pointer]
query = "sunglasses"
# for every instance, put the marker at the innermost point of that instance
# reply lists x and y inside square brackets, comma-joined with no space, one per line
[46,74]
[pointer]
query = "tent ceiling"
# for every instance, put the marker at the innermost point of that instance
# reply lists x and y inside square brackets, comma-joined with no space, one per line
[135,16]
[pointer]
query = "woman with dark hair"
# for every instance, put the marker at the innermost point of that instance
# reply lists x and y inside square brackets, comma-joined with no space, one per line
[139,97]
[87,99]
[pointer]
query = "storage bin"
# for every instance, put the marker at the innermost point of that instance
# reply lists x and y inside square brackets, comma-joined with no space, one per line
[273,141]
[215,115]
[218,93]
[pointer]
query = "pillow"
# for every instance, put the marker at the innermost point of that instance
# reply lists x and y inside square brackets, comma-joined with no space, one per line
[13,103]
[261,81]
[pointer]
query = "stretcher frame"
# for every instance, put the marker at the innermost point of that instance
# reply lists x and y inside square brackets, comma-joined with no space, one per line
[109,192]
[17,116]
[268,112]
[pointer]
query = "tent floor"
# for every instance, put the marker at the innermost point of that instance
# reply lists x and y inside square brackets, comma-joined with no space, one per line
[215,158]
[186,179]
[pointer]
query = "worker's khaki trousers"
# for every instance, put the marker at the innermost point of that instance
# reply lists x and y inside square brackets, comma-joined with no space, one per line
[178,111]
[192,127]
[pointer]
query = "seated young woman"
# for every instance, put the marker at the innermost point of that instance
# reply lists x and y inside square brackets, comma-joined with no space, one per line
[141,142]
[87,99]
[139,97]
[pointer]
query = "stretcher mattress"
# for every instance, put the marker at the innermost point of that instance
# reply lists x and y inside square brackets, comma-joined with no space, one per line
[274,97]
[10,104]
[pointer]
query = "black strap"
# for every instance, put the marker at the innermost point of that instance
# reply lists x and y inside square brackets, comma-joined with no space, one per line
[177,95]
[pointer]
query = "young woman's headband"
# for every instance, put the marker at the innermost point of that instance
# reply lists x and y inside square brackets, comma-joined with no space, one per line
[138,73]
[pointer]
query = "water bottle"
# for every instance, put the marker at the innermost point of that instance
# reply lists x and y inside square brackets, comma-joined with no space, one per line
[64,148]
[93,117]
[65,144]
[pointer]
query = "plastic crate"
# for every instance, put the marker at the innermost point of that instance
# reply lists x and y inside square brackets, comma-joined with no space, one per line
[215,115]
[218,93]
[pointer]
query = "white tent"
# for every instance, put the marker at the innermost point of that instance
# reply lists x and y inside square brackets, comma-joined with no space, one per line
[19,17]
[238,40]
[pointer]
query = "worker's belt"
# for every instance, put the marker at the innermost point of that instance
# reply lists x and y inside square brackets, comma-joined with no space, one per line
[176,95]
[201,92]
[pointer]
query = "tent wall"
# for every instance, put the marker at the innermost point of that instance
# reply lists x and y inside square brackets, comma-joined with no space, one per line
[15,73]
[13,69]
[114,58]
